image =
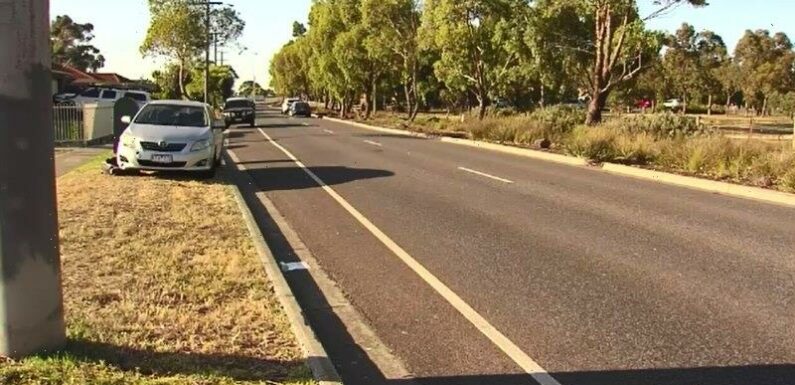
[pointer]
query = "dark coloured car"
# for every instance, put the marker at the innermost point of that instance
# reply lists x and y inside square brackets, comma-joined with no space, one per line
[240,110]
[300,109]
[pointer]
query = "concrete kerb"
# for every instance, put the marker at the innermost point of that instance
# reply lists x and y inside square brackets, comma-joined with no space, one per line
[318,361]
[393,131]
[729,189]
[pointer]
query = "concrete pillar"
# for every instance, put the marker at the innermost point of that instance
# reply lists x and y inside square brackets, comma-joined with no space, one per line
[31,308]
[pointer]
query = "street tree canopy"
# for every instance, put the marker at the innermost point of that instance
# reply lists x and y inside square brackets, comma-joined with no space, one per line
[70,44]
[177,32]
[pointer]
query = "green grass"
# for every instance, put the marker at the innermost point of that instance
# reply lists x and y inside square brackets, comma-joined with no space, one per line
[162,285]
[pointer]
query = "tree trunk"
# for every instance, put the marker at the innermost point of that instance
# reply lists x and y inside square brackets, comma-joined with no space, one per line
[541,102]
[407,93]
[595,107]
[481,108]
[342,108]
[374,106]
[182,79]
[764,106]
[709,105]
[684,104]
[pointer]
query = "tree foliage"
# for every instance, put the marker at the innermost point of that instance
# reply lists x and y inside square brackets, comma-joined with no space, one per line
[177,32]
[70,44]
[221,85]
[459,54]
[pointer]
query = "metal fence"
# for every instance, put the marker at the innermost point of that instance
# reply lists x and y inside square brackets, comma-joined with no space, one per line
[67,121]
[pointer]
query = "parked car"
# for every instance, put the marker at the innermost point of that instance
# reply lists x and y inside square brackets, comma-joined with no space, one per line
[287,103]
[643,104]
[96,94]
[172,135]
[300,109]
[673,104]
[240,110]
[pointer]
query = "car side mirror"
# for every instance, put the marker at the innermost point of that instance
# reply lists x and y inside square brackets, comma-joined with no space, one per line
[126,119]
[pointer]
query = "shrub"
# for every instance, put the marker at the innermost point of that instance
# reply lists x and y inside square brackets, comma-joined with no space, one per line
[660,126]
[635,149]
[787,182]
[593,143]
[559,120]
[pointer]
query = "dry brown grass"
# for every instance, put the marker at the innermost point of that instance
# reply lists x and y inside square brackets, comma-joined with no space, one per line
[161,285]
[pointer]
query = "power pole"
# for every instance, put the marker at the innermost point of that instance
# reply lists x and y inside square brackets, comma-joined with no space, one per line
[207,55]
[31,303]
[207,13]
[215,47]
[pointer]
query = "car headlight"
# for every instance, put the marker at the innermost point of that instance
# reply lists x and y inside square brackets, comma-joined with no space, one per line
[128,141]
[200,145]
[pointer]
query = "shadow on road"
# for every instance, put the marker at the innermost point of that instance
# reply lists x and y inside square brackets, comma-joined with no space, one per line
[294,178]
[735,375]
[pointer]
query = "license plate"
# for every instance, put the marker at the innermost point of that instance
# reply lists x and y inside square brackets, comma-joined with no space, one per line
[159,158]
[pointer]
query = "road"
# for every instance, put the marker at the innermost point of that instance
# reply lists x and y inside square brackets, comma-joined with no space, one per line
[475,267]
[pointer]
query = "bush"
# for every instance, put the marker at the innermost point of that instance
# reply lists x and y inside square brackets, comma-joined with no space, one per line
[635,149]
[559,120]
[787,182]
[593,143]
[660,126]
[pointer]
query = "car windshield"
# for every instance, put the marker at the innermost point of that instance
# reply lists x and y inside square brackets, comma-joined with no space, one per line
[237,104]
[172,115]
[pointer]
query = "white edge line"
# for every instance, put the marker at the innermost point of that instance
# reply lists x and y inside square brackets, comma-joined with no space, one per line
[328,131]
[495,336]
[370,142]
[483,174]
[323,370]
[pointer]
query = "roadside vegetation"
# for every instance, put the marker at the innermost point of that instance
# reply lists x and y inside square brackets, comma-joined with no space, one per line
[161,286]
[666,142]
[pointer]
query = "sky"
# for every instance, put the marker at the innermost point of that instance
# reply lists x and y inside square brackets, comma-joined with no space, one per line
[120,27]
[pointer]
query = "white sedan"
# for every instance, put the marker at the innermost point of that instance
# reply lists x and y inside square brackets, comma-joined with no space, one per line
[172,135]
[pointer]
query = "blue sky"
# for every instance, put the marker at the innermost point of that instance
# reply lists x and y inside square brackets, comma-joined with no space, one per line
[120,26]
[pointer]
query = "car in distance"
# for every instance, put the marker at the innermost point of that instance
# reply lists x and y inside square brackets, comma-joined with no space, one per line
[240,110]
[300,109]
[287,103]
[172,135]
[673,104]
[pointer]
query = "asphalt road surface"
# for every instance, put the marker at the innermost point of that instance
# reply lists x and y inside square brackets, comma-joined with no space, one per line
[592,278]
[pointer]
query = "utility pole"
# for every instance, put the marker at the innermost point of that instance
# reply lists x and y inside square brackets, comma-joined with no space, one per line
[207,55]
[31,304]
[254,84]
[215,47]
[207,13]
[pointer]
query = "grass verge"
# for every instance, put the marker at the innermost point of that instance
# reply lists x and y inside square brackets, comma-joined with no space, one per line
[162,285]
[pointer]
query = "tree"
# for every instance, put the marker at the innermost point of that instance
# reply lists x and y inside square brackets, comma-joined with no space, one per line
[392,39]
[691,61]
[177,31]
[467,33]
[614,41]
[167,82]
[70,44]
[249,88]
[298,29]
[730,77]
[221,85]
[767,63]
[289,69]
